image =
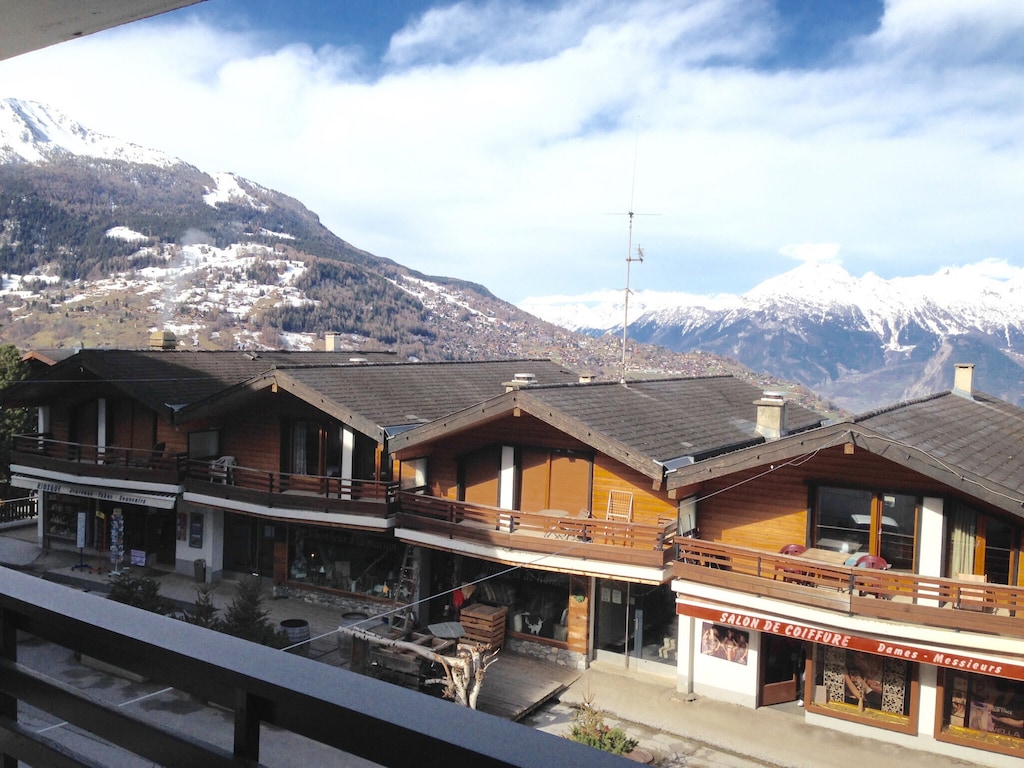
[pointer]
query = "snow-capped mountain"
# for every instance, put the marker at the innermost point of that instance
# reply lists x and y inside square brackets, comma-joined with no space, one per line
[31,132]
[103,242]
[861,341]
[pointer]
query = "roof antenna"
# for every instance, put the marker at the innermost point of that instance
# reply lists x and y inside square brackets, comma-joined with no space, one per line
[629,254]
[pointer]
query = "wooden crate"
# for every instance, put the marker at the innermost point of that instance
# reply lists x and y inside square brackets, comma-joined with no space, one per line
[484,623]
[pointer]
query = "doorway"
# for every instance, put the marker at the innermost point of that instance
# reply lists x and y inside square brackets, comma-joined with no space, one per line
[781,669]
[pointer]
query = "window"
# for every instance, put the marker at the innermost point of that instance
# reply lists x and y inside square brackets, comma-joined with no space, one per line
[861,521]
[980,544]
[853,683]
[413,474]
[203,445]
[982,708]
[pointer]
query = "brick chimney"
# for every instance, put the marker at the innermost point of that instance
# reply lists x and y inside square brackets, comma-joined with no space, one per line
[771,415]
[963,380]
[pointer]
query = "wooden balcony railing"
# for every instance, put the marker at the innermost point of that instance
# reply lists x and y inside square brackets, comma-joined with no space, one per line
[290,490]
[112,459]
[894,595]
[550,531]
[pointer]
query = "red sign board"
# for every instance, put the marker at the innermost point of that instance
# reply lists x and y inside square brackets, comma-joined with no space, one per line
[839,639]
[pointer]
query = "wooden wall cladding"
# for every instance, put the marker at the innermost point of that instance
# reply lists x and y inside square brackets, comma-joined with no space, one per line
[649,506]
[253,442]
[767,511]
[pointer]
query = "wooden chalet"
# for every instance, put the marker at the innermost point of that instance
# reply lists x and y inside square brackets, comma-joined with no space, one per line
[552,502]
[275,463]
[871,569]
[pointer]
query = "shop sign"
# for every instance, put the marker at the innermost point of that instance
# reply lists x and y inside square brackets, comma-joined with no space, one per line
[105,494]
[961,662]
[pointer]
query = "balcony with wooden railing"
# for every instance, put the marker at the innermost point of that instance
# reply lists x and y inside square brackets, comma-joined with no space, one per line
[901,596]
[553,532]
[229,482]
[245,700]
[153,465]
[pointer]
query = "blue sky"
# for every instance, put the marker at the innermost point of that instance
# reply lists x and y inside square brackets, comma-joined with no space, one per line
[504,142]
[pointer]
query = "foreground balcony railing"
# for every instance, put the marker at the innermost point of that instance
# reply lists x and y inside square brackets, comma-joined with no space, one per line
[550,531]
[255,685]
[104,461]
[894,595]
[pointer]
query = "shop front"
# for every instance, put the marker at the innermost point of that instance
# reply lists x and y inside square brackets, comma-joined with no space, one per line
[356,562]
[635,625]
[916,690]
[135,528]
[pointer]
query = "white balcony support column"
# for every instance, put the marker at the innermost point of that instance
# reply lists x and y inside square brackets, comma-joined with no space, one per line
[348,449]
[43,419]
[927,684]
[507,484]
[101,424]
[686,647]
[930,543]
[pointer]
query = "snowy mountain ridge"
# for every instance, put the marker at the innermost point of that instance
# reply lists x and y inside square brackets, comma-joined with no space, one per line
[31,132]
[860,341]
[988,294]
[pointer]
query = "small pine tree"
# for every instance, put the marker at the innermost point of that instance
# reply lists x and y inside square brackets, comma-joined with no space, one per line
[246,618]
[141,593]
[204,612]
[589,728]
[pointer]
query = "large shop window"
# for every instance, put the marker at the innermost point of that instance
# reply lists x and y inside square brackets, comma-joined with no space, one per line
[351,561]
[855,683]
[985,709]
[865,522]
[537,601]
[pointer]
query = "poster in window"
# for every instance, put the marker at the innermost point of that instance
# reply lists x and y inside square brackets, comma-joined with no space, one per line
[724,642]
[195,531]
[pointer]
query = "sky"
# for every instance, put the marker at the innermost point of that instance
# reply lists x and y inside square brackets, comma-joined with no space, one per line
[505,143]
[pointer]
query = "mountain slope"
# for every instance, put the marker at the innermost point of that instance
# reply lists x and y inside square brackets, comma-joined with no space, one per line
[861,342]
[102,242]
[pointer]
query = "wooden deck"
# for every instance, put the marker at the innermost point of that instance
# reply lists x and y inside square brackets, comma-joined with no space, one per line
[516,685]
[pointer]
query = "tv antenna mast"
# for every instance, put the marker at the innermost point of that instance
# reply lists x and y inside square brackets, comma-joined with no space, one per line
[630,258]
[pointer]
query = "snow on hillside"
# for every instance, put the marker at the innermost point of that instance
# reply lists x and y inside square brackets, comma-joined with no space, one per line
[30,132]
[126,234]
[228,190]
[196,282]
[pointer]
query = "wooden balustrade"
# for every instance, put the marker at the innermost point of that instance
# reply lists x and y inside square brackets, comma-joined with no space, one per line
[896,595]
[547,531]
[111,457]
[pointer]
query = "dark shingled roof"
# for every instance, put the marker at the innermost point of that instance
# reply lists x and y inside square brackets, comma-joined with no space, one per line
[644,424]
[166,381]
[401,395]
[974,435]
[972,443]
[669,418]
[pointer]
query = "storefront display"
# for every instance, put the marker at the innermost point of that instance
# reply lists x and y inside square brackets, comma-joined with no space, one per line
[537,601]
[865,682]
[351,561]
[982,705]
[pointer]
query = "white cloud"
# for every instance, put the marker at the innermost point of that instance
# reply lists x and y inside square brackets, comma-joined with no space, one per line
[497,138]
[813,253]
